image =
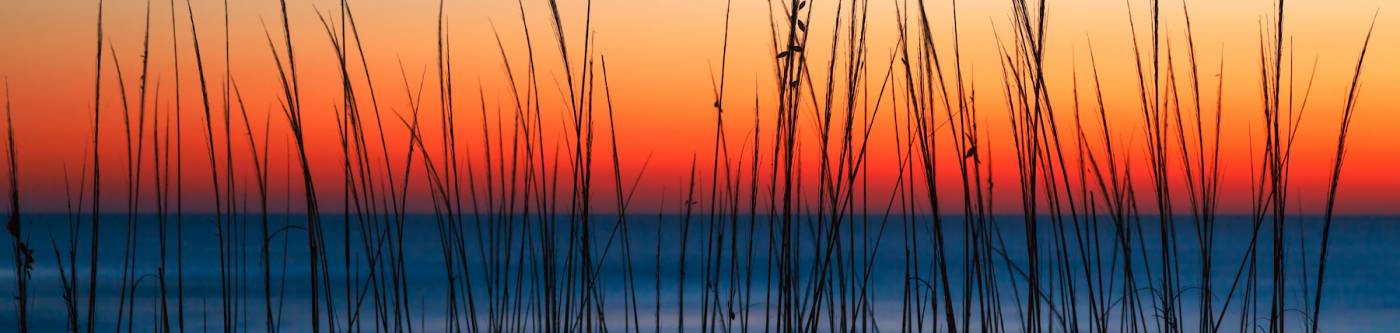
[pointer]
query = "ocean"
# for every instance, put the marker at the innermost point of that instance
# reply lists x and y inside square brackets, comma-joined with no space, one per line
[875,273]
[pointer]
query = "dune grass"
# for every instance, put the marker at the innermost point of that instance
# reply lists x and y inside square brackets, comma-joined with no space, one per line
[790,235]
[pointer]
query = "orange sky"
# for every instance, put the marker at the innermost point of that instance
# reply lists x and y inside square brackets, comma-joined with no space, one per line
[661,58]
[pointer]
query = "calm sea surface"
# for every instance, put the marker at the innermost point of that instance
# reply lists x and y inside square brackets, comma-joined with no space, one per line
[1361,290]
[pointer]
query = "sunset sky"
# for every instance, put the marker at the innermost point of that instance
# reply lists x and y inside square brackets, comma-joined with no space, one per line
[663,58]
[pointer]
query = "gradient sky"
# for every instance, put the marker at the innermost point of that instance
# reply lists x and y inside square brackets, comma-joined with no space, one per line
[662,58]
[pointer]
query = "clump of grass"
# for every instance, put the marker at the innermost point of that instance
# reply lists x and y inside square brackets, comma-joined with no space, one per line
[1089,250]
[23,254]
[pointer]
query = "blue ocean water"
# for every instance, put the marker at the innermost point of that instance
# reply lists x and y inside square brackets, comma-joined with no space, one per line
[1360,291]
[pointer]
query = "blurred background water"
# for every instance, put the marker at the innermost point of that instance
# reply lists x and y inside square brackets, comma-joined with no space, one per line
[1361,292]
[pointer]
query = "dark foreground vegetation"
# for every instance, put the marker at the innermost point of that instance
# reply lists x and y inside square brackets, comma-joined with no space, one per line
[764,246]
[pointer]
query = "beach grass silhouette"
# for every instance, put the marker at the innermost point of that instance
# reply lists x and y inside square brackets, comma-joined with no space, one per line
[513,226]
